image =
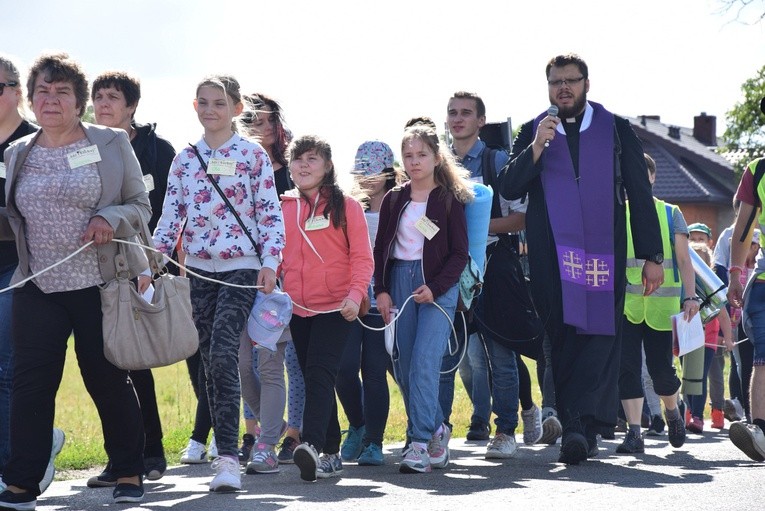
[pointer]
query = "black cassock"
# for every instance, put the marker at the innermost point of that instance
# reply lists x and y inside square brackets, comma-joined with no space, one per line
[585,367]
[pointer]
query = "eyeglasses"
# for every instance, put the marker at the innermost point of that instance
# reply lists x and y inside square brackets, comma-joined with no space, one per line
[568,81]
[4,85]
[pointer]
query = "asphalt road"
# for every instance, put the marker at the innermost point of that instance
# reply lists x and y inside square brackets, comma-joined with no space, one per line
[708,472]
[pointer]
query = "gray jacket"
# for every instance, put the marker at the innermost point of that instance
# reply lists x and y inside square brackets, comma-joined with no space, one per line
[124,201]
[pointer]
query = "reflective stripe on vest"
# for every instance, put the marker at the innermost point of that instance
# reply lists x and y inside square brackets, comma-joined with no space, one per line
[657,309]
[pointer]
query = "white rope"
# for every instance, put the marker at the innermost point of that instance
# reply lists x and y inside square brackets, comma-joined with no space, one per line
[152,249]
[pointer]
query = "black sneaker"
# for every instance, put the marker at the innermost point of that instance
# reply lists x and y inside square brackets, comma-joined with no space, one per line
[21,501]
[657,426]
[478,431]
[676,431]
[245,451]
[287,449]
[154,467]
[104,479]
[126,493]
[633,444]
[574,449]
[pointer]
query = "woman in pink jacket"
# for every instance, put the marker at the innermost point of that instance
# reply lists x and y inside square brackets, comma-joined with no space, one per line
[326,271]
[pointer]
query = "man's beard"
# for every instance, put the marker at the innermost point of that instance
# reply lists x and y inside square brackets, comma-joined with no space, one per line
[574,110]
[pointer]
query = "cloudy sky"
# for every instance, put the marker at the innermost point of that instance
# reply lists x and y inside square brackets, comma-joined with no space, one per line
[352,71]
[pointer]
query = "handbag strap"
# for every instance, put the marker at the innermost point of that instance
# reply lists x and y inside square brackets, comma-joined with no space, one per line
[225,199]
[156,261]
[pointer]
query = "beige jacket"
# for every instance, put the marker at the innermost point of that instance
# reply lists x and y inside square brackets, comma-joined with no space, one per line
[124,201]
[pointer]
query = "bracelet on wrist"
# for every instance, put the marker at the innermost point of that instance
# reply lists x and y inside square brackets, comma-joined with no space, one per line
[735,268]
[694,298]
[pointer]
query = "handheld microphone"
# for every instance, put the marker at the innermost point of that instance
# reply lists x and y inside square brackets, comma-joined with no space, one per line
[553,111]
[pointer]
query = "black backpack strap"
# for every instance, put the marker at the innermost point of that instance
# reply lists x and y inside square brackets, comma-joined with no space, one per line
[225,199]
[759,171]
[489,170]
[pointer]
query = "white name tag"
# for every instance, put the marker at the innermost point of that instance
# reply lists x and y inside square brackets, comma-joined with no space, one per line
[148,181]
[2,170]
[316,223]
[221,167]
[426,227]
[84,156]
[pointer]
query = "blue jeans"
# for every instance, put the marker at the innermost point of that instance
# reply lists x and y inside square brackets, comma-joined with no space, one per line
[504,386]
[755,327]
[6,365]
[422,332]
[474,371]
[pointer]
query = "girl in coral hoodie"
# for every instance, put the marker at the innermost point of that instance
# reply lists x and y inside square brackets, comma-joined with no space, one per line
[326,270]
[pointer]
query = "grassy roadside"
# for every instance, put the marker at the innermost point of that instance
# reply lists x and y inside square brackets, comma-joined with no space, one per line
[77,416]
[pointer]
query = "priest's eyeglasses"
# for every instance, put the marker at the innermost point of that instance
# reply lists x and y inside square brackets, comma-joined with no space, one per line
[568,81]
[4,85]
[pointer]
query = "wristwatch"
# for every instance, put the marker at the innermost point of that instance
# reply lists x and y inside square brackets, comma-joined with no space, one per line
[657,258]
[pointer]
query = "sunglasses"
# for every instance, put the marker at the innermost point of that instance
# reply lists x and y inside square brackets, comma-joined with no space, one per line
[4,85]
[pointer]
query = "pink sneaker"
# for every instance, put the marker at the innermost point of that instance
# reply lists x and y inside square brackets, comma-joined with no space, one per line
[695,426]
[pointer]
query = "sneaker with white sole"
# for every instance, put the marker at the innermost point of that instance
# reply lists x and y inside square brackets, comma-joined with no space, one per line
[532,425]
[749,438]
[330,465]
[416,461]
[19,501]
[307,460]
[125,493]
[501,447]
[551,427]
[194,452]
[438,448]
[264,460]
[227,476]
[50,471]
[732,410]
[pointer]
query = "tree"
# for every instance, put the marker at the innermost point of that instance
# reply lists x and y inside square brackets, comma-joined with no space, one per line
[744,137]
[744,11]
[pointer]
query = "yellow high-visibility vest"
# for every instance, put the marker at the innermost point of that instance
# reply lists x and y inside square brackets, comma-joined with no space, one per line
[658,308]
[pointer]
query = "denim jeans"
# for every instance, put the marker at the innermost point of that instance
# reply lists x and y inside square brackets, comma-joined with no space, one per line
[474,371]
[755,327]
[422,332]
[504,386]
[6,364]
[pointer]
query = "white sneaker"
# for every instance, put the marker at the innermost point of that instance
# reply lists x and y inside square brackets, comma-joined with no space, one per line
[227,478]
[501,447]
[438,448]
[532,425]
[50,470]
[749,438]
[194,453]
[212,449]
[307,460]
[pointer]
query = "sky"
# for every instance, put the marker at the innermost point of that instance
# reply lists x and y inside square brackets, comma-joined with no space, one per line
[356,71]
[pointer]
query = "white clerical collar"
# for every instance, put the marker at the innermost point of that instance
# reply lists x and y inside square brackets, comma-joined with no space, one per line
[586,120]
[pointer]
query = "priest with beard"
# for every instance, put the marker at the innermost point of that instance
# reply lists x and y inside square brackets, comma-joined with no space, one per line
[575,167]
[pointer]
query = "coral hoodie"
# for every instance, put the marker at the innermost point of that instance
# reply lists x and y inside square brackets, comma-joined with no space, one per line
[323,267]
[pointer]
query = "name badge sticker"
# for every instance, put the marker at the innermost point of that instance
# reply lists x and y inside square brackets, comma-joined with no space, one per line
[84,156]
[316,223]
[426,227]
[221,167]
[2,170]
[148,181]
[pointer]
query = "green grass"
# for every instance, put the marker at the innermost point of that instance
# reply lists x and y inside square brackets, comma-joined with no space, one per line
[77,416]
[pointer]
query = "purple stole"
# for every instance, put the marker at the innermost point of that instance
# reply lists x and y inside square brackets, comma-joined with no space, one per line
[582,219]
